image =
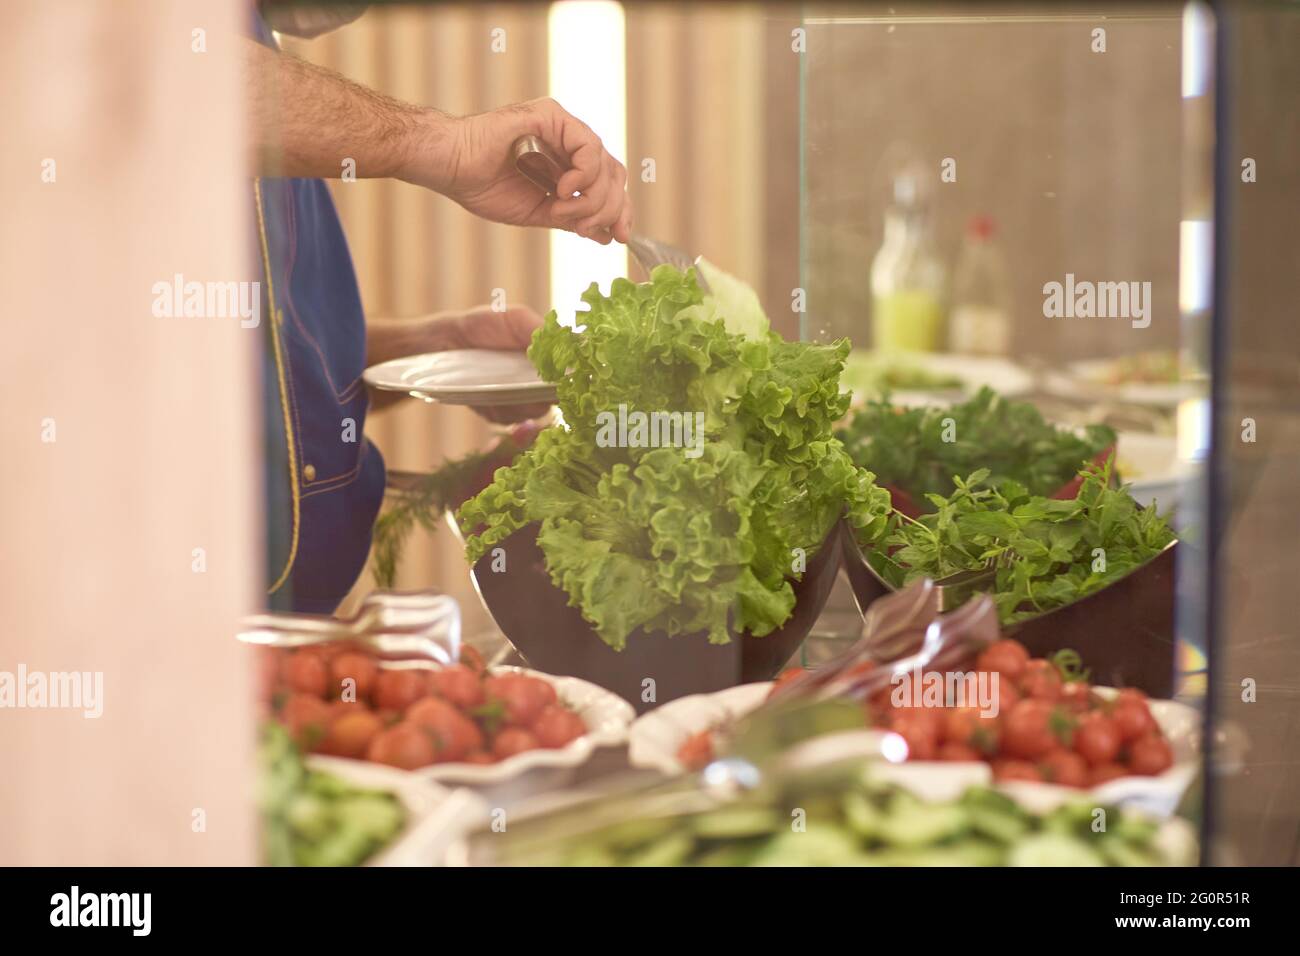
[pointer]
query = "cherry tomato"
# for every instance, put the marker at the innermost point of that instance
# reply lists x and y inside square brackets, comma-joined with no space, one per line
[479,756]
[511,741]
[471,658]
[1034,727]
[968,727]
[1105,772]
[785,677]
[360,668]
[1006,656]
[697,750]
[1016,770]
[307,719]
[1040,679]
[458,685]
[1133,718]
[398,689]
[306,672]
[523,696]
[407,746]
[1150,755]
[453,734]
[919,727]
[1076,696]
[1097,738]
[557,727]
[1064,768]
[350,734]
[957,752]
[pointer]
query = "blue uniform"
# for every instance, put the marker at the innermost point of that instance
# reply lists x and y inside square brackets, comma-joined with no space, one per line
[325,481]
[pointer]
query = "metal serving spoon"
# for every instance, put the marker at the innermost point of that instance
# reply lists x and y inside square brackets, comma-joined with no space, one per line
[541,166]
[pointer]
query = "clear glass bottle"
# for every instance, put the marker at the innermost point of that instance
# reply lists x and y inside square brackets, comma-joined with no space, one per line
[908,279]
[981,294]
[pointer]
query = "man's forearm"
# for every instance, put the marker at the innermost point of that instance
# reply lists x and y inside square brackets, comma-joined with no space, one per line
[307,120]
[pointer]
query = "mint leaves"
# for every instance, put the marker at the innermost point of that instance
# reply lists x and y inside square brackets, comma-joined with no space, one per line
[1043,553]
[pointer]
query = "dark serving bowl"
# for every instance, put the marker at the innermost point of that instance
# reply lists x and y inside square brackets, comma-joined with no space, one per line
[1123,633]
[536,618]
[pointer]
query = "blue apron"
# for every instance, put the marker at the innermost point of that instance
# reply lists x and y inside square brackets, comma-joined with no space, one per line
[325,480]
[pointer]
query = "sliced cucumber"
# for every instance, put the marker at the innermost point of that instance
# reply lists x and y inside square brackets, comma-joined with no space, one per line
[1052,849]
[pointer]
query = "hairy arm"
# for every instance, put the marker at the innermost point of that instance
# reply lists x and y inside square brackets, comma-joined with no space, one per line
[306,120]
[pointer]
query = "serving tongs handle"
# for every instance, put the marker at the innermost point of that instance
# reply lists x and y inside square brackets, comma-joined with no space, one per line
[538,163]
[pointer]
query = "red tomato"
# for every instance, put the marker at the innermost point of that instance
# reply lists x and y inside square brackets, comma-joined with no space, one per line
[1064,768]
[1016,770]
[1097,738]
[522,696]
[1040,679]
[557,727]
[471,658]
[1105,772]
[1150,755]
[1007,696]
[511,741]
[307,719]
[458,685]
[787,675]
[919,727]
[479,756]
[454,735]
[1133,718]
[407,746]
[697,750]
[357,667]
[966,726]
[1007,657]
[398,689]
[306,672]
[350,734]
[957,752]
[1034,727]
[1076,696]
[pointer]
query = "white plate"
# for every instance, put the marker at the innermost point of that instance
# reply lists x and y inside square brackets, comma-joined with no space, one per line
[973,371]
[1151,465]
[464,377]
[656,737]
[606,715]
[1089,379]
[434,814]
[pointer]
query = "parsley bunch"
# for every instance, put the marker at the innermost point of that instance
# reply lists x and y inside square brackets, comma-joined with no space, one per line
[1043,553]
[906,447]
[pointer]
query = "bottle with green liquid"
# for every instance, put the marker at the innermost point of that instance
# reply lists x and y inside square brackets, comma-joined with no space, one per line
[908,279]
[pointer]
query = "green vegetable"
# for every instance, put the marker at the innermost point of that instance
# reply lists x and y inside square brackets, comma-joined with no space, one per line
[866,823]
[1045,553]
[317,819]
[919,450]
[681,539]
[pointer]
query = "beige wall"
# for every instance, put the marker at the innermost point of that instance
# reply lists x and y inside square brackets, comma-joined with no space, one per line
[154,437]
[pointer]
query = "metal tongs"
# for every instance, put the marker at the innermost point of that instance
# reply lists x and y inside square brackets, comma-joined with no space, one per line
[413,628]
[543,167]
[814,726]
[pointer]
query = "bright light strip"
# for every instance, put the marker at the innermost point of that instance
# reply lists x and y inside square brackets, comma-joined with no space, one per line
[1198,49]
[587,50]
[1195,265]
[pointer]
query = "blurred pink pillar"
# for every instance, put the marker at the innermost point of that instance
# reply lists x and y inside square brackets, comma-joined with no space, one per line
[129,441]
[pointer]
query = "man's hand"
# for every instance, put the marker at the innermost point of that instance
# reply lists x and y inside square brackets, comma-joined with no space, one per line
[469,159]
[477,328]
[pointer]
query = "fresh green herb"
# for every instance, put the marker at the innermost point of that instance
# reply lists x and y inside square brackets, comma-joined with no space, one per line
[1069,665]
[1045,553]
[447,487]
[310,818]
[920,449]
[681,539]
